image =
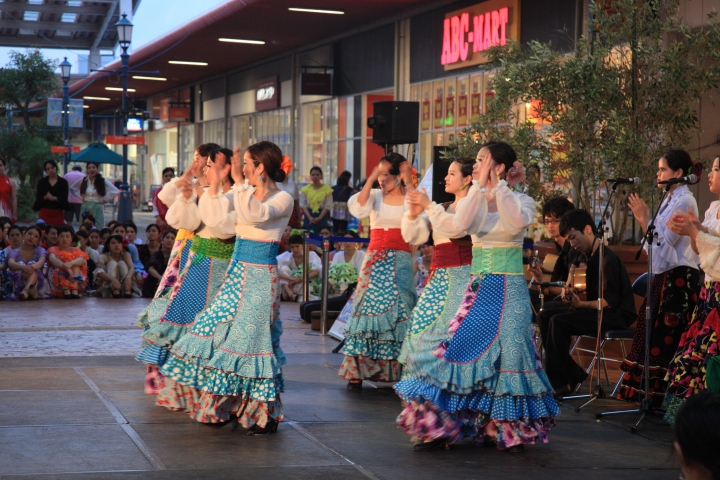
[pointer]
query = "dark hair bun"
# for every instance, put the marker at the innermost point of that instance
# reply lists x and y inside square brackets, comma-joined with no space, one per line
[278,176]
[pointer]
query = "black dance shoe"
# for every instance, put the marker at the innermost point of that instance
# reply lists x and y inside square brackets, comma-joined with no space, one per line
[354,386]
[271,427]
[437,444]
[516,449]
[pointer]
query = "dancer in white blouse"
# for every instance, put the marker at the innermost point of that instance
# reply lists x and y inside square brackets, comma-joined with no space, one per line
[385,294]
[675,282]
[229,364]
[483,379]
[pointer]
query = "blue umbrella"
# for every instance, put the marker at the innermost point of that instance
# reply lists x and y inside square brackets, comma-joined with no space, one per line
[98,152]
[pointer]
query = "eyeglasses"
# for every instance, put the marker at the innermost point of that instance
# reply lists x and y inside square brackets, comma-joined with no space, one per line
[551,221]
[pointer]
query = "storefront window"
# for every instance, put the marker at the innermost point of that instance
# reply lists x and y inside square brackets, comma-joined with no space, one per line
[214,132]
[187,147]
[272,126]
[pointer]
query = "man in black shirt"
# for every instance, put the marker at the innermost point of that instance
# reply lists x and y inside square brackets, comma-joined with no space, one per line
[558,326]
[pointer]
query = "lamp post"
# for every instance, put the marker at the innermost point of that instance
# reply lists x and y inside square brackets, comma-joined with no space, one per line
[124,28]
[65,68]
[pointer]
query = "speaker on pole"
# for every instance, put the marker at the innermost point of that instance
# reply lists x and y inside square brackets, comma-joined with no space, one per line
[440,171]
[395,123]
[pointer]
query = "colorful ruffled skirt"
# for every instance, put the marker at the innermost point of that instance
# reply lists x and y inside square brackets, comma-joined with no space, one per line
[674,295]
[151,354]
[229,363]
[698,345]
[384,300]
[482,378]
[201,279]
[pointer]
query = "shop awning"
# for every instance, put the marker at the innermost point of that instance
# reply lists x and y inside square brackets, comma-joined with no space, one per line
[98,152]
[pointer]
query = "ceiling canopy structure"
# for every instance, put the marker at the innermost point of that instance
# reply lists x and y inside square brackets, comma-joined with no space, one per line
[239,33]
[71,24]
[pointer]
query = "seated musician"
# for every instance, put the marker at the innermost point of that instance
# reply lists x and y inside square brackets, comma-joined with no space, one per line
[552,212]
[557,326]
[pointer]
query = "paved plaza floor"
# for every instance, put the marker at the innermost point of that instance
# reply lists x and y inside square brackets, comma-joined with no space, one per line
[72,407]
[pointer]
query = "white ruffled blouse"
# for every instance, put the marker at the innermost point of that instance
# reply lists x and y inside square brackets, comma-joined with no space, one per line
[381,214]
[506,227]
[674,250]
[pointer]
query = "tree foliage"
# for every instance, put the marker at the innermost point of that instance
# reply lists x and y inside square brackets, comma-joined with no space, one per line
[27,78]
[626,94]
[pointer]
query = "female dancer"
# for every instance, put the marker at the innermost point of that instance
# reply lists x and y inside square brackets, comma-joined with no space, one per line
[151,354]
[379,320]
[95,191]
[208,261]
[699,343]
[230,361]
[450,270]
[674,285]
[484,378]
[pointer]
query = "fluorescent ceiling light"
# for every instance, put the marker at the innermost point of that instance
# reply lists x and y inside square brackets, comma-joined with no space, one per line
[182,62]
[86,106]
[97,98]
[316,10]
[118,89]
[158,79]
[241,40]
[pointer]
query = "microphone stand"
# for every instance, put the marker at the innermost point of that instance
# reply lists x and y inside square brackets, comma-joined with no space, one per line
[645,406]
[598,391]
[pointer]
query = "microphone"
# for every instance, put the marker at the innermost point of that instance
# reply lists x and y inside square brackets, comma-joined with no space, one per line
[631,181]
[689,179]
[552,284]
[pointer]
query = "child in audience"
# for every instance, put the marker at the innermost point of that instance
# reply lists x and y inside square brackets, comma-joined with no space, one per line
[115,274]
[68,266]
[291,273]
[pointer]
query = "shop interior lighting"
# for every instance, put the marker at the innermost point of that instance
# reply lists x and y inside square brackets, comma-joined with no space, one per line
[118,89]
[97,98]
[316,10]
[182,62]
[157,79]
[242,40]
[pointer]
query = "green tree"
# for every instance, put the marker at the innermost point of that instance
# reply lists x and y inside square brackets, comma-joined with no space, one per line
[626,94]
[27,78]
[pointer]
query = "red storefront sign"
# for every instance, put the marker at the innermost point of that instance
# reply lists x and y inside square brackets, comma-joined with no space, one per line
[63,149]
[462,118]
[469,32]
[450,108]
[124,140]
[438,113]
[425,123]
[475,104]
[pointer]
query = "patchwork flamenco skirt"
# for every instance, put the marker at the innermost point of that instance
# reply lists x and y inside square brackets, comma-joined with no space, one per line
[150,316]
[699,343]
[384,300]
[201,279]
[674,295]
[229,363]
[483,378]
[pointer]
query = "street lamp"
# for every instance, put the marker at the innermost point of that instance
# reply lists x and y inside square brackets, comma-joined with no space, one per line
[65,68]
[124,28]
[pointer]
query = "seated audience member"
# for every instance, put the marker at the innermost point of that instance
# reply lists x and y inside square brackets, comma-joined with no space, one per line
[157,264]
[131,233]
[93,256]
[553,210]
[697,436]
[5,225]
[140,273]
[51,237]
[349,252]
[68,266]
[95,240]
[111,225]
[104,235]
[145,250]
[5,282]
[291,273]
[423,264]
[26,264]
[14,239]
[557,326]
[115,273]
[89,218]
[323,232]
[284,246]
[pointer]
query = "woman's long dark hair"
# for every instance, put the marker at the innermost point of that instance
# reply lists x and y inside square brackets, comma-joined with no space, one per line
[99,182]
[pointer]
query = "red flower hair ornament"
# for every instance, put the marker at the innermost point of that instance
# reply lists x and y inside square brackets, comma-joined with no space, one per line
[286,165]
[516,174]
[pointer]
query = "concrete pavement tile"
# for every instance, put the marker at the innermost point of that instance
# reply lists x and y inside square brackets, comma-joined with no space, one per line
[237,472]
[480,471]
[131,378]
[332,359]
[68,361]
[41,379]
[65,449]
[181,446]
[137,407]
[341,405]
[311,376]
[52,408]
[94,311]
[70,342]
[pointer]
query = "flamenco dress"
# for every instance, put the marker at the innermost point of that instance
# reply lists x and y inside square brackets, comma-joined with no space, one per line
[384,298]
[229,363]
[207,264]
[153,355]
[483,378]
[675,284]
[699,344]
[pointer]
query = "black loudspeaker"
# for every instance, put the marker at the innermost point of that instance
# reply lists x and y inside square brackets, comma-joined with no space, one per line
[395,123]
[440,171]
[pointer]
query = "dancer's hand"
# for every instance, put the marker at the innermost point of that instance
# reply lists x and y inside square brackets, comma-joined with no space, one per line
[481,170]
[237,167]
[186,187]
[406,176]
[214,175]
[419,198]
[640,210]
[685,223]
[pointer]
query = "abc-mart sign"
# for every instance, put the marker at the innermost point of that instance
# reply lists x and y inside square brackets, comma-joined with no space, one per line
[469,32]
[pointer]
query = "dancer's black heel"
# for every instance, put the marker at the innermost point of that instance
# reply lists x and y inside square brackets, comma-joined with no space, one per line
[438,444]
[271,427]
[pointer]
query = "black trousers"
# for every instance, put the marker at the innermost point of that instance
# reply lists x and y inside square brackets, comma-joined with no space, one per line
[557,326]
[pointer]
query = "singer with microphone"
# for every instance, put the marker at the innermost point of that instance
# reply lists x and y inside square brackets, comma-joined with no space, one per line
[675,279]
[558,325]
